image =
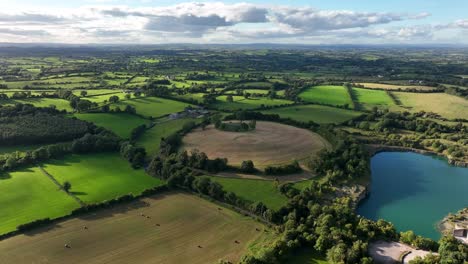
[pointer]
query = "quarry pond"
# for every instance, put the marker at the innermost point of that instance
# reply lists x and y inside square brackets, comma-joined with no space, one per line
[414,191]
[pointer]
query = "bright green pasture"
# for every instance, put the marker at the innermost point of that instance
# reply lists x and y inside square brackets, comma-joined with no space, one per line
[370,98]
[27,195]
[121,124]
[104,98]
[60,104]
[151,139]
[194,96]
[153,106]
[326,94]
[251,91]
[99,177]
[316,113]
[254,191]
[252,103]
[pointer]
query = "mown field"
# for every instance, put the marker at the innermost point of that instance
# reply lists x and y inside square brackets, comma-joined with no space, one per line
[181,228]
[316,113]
[27,195]
[372,98]
[269,144]
[99,177]
[121,124]
[446,105]
[326,94]
[254,190]
[239,102]
[151,139]
[152,106]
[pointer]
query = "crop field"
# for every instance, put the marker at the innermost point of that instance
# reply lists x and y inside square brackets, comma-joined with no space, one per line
[239,102]
[316,113]
[28,195]
[180,228]
[370,98]
[121,124]
[152,106]
[326,94]
[254,190]
[446,105]
[397,87]
[269,144]
[151,139]
[98,177]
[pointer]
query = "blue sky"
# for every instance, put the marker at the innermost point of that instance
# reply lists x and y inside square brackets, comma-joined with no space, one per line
[274,21]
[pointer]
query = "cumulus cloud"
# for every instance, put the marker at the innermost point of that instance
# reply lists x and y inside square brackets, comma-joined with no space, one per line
[214,21]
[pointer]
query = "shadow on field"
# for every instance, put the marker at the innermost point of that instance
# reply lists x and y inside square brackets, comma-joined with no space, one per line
[78,193]
[44,229]
[112,211]
[5,176]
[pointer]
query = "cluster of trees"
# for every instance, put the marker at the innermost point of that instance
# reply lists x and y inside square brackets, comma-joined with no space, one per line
[134,155]
[451,251]
[199,76]
[25,124]
[236,127]
[101,141]
[137,132]
[462,92]
[76,102]
[291,168]
[346,162]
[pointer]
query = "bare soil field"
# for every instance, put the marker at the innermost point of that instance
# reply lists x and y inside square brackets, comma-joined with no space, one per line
[269,144]
[170,228]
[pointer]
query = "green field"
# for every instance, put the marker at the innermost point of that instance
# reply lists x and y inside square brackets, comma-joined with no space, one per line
[254,190]
[121,124]
[252,103]
[60,104]
[151,139]
[99,177]
[316,113]
[446,105]
[28,195]
[153,106]
[370,98]
[195,96]
[326,94]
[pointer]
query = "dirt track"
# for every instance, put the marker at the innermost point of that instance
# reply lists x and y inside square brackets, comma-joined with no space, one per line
[270,144]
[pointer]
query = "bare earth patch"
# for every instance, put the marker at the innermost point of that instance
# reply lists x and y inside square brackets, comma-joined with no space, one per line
[269,144]
[393,252]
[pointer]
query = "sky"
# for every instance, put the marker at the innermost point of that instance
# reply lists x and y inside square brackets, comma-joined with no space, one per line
[222,22]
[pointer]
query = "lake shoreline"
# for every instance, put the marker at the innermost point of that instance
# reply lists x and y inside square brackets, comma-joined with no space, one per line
[376,149]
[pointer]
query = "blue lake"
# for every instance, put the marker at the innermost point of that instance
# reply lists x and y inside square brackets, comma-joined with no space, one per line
[414,191]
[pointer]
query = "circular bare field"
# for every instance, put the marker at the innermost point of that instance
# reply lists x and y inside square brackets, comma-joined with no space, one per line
[269,144]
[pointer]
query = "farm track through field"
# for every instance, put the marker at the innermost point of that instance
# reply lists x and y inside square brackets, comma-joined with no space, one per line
[47,174]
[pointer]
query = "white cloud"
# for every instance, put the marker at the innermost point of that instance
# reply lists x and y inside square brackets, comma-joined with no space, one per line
[212,22]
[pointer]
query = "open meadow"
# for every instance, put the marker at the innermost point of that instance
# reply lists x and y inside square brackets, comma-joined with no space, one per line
[151,139]
[27,195]
[316,113]
[99,177]
[326,94]
[446,105]
[60,104]
[121,124]
[372,98]
[252,190]
[239,102]
[152,106]
[396,87]
[166,228]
